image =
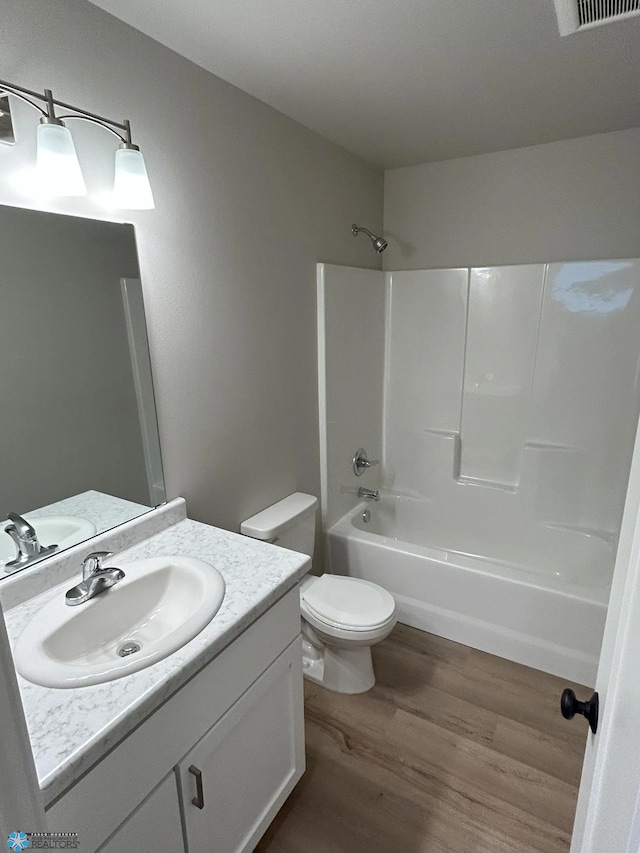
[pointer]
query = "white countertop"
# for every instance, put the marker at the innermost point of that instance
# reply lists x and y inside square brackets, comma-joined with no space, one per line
[72,729]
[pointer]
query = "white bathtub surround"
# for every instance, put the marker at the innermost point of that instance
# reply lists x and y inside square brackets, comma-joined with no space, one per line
[503,313]
[72,729]
[351,370]
[511,399]
[536,390]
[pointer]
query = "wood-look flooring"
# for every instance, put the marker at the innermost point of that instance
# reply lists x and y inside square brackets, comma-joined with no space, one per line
[453,751]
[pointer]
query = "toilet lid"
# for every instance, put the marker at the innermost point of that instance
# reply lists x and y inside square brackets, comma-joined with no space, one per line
[349,602]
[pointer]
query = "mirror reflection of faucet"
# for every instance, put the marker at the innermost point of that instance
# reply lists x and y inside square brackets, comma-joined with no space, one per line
[25,538]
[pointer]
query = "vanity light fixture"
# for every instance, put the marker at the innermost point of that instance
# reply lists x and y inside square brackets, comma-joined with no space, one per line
[57,167]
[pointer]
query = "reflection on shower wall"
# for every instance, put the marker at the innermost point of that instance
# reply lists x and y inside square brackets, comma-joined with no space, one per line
[511,403]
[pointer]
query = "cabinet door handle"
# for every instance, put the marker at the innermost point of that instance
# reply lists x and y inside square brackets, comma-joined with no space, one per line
[198,800]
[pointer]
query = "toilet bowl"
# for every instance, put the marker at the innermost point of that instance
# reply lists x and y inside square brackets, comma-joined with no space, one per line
[342,617]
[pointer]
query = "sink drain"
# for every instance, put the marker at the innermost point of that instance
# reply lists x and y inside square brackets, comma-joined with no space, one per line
[128,648]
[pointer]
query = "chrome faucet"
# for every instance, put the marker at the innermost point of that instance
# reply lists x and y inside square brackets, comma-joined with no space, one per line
[25,539]
[95,579]
[369,494]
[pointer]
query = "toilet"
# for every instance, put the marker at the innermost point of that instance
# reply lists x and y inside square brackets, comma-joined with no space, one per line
[342,617]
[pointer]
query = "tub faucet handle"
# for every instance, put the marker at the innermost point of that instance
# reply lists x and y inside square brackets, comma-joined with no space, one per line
[361,462]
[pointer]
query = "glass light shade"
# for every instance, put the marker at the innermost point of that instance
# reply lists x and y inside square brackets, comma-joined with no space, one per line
[131,187]
[57,167]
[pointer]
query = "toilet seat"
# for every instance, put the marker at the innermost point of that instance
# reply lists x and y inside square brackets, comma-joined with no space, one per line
[347,604]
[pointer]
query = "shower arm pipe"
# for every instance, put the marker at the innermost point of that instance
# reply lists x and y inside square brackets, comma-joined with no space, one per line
[109,124]
[355,229]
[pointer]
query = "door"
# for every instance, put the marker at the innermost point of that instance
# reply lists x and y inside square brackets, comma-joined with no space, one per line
[154,825]
[234,781]
[608,812]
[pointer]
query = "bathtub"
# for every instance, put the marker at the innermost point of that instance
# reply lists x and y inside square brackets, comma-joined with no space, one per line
[540,598]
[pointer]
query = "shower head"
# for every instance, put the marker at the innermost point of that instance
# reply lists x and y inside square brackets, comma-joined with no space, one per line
[378,243]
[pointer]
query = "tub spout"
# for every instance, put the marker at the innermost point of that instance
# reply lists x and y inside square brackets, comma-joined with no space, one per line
[369,494]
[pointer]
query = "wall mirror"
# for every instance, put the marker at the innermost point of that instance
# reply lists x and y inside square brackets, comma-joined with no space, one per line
[78,428]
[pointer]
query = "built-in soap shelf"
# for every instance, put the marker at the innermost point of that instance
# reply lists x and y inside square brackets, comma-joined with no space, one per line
[454,437]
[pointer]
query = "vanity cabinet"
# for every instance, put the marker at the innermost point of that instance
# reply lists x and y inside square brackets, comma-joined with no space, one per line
[236,778]
[155,824]
[232,739]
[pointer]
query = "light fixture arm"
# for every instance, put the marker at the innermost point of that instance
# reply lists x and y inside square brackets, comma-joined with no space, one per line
[77,112]
[125,138]
[6,89]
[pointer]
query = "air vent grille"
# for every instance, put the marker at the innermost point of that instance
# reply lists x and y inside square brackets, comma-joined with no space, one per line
[575,15]
[593,11]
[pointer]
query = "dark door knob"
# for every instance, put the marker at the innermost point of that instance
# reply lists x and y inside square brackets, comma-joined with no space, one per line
[570,706]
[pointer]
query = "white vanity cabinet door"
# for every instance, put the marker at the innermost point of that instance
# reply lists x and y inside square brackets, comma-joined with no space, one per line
[154,825]
[249,762]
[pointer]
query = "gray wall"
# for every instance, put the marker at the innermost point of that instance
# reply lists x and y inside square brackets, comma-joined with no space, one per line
[572,200]
[247,201]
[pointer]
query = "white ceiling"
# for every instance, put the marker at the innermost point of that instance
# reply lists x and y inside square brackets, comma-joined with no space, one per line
[401,82]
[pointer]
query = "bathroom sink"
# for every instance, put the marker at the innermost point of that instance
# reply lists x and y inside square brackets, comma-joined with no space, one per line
[61,530]
[160,604]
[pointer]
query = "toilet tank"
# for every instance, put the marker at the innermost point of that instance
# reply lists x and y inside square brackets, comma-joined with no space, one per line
[290,523]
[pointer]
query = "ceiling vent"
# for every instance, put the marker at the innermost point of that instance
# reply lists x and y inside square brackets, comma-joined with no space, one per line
[577,15]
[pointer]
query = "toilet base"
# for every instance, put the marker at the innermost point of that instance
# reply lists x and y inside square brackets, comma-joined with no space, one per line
[339,670]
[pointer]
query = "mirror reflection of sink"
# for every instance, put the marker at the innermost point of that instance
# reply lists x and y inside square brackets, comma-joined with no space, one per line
[61,530]
[161,604]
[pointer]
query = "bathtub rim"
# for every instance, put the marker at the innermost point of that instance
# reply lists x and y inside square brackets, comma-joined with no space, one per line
[482,565]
